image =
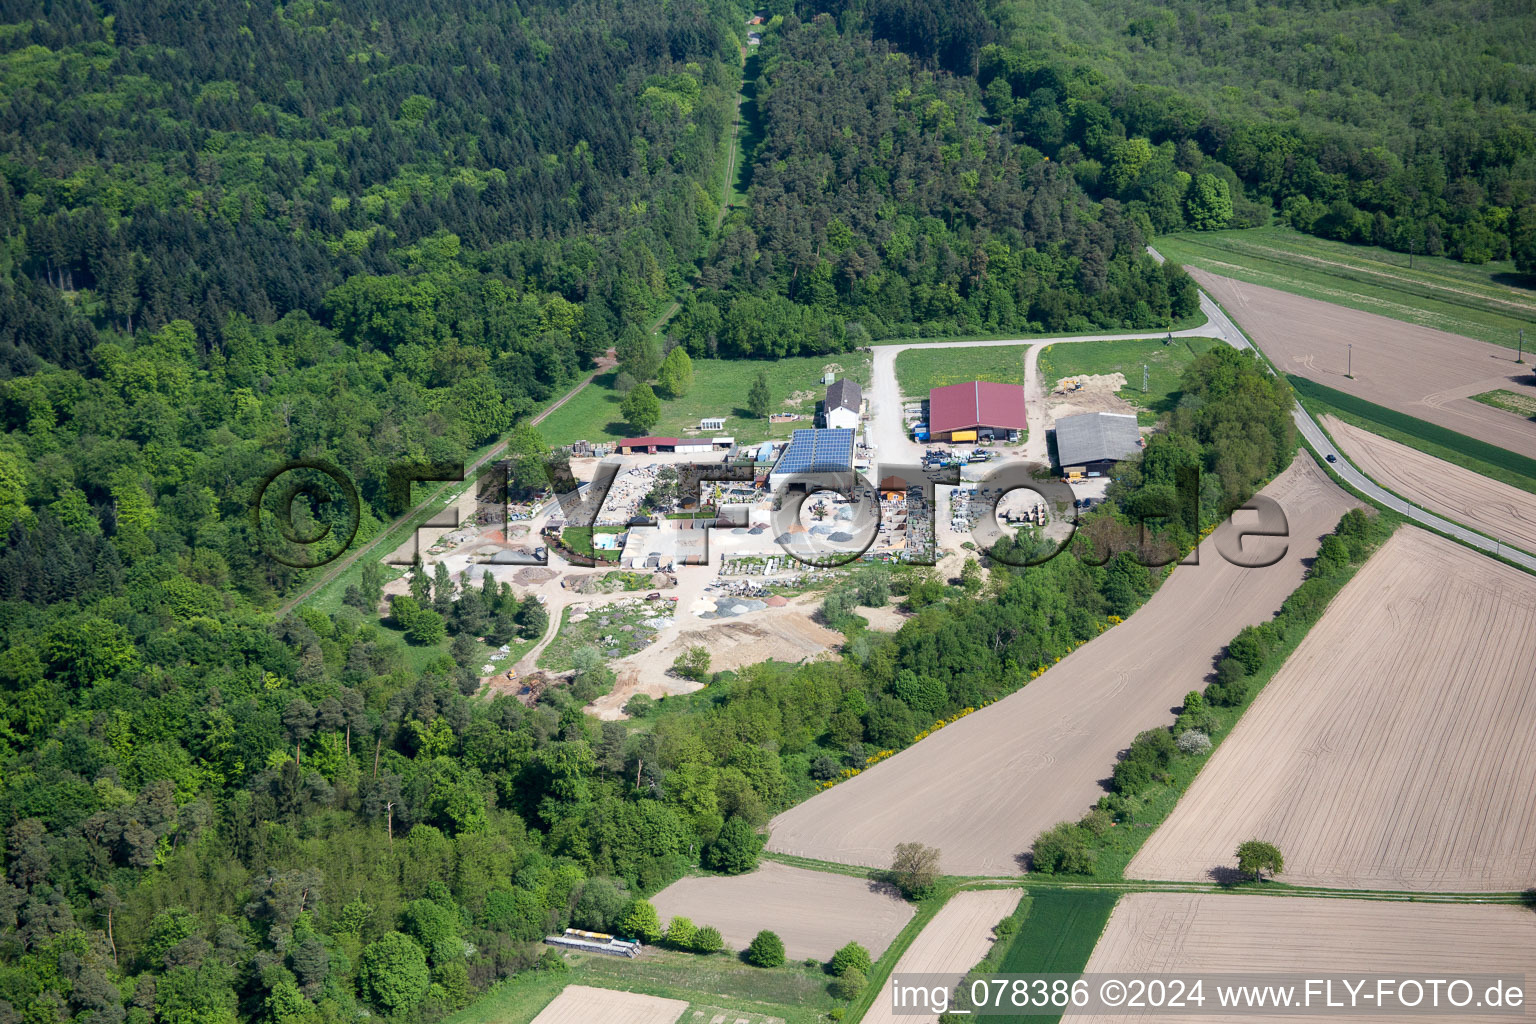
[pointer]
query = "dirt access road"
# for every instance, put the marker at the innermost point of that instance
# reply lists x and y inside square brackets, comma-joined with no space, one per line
[1421,372]
[984,787]
[1226,933]
[1396,748]
[887,430]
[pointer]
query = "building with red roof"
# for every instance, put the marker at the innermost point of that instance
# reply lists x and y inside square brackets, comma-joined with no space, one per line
[976,410]
[647,445]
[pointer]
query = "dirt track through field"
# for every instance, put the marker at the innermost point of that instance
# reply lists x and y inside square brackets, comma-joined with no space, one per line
[982,788]
[1169,933]
[814,912]
[582,1004]
[1396,749]
[1419,371]
[1497,509]
[953,942]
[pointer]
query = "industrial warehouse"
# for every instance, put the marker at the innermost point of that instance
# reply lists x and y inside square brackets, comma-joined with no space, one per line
[975,411]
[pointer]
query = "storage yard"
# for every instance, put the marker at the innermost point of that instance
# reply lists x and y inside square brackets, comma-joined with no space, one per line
[1503,512]
[1050,744]
[815,913]
[1396,749]
[1238,933]
[1416,370]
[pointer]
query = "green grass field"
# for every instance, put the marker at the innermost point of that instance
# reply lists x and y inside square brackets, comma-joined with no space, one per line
[1509,401]
[579,540]
[722,982]
[1164,363]
[1491,302]
[1060,928]
[719,389]
[919,370]
[1479,456]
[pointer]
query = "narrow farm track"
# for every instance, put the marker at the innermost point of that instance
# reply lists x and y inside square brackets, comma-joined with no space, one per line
[1396,747]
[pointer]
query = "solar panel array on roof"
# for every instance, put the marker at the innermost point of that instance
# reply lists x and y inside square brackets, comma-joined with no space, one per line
[817,451]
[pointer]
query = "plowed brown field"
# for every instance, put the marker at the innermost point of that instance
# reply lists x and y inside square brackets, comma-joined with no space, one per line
[582,1004]
[982,788]
[954,942]
[1218,933]
[1497,509]
[814,912]
[1416,370]
[1396,749]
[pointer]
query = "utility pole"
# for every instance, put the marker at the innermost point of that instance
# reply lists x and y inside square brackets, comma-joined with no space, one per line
[1520,353]
[1143,378]
[1350,365]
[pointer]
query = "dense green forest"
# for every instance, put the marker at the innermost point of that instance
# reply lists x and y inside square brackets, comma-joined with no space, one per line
[239,233]
[1405,124]
[883,203]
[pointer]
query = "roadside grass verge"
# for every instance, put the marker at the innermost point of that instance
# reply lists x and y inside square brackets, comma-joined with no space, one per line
[1164,362]
[720,388]
[797,993]
[1489,302]
[1509,401]
[1479,456]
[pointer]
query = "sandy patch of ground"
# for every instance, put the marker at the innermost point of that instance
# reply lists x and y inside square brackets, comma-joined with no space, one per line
[984,787]
[783,634]
[1166,933]
[1397,747]
[814,912]
[953,942]
[582,1004]
[1495,508]
[887,619]
[1097,394]
[1425,373]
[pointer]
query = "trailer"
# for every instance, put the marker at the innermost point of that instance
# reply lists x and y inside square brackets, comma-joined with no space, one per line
[594,942]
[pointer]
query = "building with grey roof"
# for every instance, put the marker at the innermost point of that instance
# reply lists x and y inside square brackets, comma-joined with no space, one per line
[1091,443]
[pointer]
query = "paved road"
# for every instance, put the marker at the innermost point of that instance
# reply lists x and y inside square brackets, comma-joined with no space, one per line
[1233,335]
[888,431]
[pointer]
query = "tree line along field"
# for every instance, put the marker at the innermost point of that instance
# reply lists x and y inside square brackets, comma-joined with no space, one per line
[1240,933]
[1164,361]
[1051,743]
[1396,748]
[1489,302]
[1417,371]
[719,388]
